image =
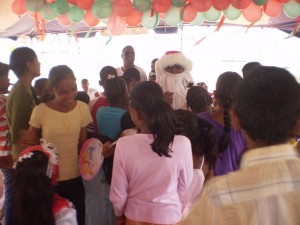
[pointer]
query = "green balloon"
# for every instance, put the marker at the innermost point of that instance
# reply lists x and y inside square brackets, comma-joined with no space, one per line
[212,14]
[61,7]
[48,12]
[292,9]
[34,5]
[102,9]
[149,21]
[75,14]
[178,3]
[232,13]
[172,17]
[142,5]
[199,19]
[260,2]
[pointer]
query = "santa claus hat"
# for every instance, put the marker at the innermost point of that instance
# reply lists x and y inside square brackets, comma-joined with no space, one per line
[171,58]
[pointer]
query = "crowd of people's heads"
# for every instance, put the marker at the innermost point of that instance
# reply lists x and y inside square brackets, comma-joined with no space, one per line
[263,105]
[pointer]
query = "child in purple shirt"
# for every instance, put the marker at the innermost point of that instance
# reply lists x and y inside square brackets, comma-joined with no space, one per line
[231,143]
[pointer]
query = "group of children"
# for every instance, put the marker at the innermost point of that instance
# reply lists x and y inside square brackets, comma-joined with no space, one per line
[155,174]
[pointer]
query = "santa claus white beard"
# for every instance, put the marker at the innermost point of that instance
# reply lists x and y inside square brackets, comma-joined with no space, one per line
[178,85]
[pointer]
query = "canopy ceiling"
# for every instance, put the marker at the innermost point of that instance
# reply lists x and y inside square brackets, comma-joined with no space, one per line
[12,25]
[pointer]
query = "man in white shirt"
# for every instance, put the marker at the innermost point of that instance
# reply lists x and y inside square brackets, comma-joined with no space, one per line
[128,56]
[92,92]
[266,188]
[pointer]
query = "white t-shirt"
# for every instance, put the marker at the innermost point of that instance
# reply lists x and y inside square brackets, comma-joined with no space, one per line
[142,72]
[92,93]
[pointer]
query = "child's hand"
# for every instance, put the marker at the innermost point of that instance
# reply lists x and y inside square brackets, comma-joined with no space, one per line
[168,97]
[108,149]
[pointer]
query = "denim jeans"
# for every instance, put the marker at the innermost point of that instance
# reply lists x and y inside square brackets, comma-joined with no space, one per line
[9,207]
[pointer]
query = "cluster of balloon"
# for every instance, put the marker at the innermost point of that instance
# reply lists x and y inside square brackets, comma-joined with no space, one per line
[120,13]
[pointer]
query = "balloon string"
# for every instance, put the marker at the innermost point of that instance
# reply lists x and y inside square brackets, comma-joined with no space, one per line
[152,13]
[88,33]
[249,26]
[182,11]
[109,39]
[198,42]
[40,25]
[43,29]
[73,34]
[220,23]
[217,29]
[297,26]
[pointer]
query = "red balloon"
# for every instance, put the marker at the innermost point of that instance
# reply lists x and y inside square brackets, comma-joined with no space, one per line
[240,4]
[116,25]
[273,8]
[161,6]
[252,13]
[90,19]
[64,19]
[18,7]
[73,2]
[221,5]
[161,15]
[134,18]
[188,13]
[298,1]
[122,7]
[85,4]
[283,1]
[202,5]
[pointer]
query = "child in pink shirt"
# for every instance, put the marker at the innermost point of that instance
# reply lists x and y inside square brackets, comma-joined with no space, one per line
[152,167]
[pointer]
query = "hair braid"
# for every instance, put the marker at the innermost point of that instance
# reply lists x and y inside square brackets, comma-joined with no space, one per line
[224,141]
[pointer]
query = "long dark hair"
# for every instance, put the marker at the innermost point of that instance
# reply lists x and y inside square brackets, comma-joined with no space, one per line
[201,134]
[147,97]
[34,193]
[226,86]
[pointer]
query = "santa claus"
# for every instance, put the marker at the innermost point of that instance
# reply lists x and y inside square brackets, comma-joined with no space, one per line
[173,74]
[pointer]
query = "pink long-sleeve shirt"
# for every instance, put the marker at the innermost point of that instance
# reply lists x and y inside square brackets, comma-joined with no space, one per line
[144,185]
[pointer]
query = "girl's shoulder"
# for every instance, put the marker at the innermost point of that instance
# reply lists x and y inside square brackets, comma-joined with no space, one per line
[41,107]
[19,90]
[181,139]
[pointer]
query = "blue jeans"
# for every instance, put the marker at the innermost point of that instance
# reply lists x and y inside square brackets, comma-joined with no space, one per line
[9,177]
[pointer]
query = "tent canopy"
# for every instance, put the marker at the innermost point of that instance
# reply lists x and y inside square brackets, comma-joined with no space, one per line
[12,25]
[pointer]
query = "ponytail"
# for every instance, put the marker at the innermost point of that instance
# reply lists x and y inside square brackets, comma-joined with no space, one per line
[226,86]
[224,140]
[147,97]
